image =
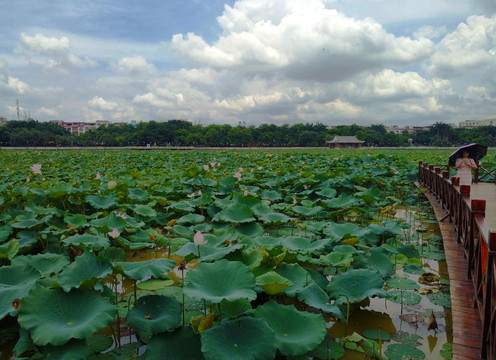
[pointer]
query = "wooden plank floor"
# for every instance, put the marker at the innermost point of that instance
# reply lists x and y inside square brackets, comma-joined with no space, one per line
[467,327]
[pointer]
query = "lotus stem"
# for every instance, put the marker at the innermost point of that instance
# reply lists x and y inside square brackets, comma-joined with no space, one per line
[199,251]
[182,286]
[380,342]
[220,313]
[205,306]
[347,315]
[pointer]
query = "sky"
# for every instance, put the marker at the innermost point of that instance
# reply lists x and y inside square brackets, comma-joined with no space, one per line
[250,62]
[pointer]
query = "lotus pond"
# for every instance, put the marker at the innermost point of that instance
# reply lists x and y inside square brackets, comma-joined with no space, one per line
[250,254]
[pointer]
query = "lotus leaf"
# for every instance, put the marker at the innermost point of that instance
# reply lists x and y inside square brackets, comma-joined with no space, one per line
[99,342]
[272,282]
[328,350]
[191,219]
[305,245]
[235,308]
[138,194]
[297,332]
[54,317]
[101,202]
[342,201]
[413,269]
[74,349]
[46,264]
[403,351]
[337,259]
[76,220]
[404,297]
[15,283]
[314,296]
[440,299]
[402,283]
[142,269]
[267,241]
[97,242]
[376,334]
[237,213]
[327,192]
[297,275]
[132,245]
[274,217]
[369,195]
[26,239]
[143,210]
[214,282]
[308,211]
[26,223]
[339,231]
[177,345]
[111,222]
[84,272]
[9,250]
[155,313]
[154,284]
[244,338]
[379,261]
[356,285]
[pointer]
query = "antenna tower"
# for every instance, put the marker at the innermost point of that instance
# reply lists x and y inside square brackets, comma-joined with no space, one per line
[18,116]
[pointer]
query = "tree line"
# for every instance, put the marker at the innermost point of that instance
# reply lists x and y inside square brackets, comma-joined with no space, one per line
[182,133]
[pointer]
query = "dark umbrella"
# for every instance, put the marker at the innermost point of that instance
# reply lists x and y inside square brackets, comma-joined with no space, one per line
[476,152]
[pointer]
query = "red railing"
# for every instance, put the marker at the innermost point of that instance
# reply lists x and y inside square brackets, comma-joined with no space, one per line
[477,239]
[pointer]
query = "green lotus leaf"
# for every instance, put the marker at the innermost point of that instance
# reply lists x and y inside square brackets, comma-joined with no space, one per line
[60,189]
[253,257]
[250,229]
[138,194]
[356,285]
[328,349]
[402,283]
[9,250]
[297,332]
[5,232]
[237,213]
[24,344]
[403,351]
[339,231]
[413,269]
[272,282]
[138,270]
[101,202]
[96,242]
[219,253]
[84,272]
[267,241]
[376,334]
[409,251]
[388,228]
[243,338]
[304,245]
[297,275]
[327,192]
[155,313]
[440,299]
[74,349]
[336,259]
[27,239]
[15,283]
[111,222]
[271,194]
[274,217]
[26,223]
[342,201]
[180,344]
[378,260]
[307,211]
[369,195]
[154,284]
[235,308]
[46,264]
[191,219]
[214,282]
[99,342]
[132,245]
[434,255]
[314,296]
[76,220]
[405,297]
[54,317]
[144,210]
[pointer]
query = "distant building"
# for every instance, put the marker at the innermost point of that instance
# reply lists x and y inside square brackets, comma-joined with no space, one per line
[3,121]
[80,127]
[476,123]
[411,129]
[345,142]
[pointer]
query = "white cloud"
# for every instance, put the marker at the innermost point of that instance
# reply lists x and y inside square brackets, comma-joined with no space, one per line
[54,52]
[10,85]
[430,32]
[466,49]
[99,103]
[47,112]
[301,40]
[135,65]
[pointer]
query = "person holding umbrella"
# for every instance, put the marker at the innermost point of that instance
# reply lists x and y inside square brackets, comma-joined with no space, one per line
[464,165]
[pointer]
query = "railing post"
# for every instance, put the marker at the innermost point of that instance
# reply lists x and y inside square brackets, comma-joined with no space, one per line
[488,302]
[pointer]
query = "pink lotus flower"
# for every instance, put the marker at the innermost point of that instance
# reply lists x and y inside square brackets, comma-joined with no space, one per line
[121,215]
[192,195]
[206,168]
[199,193]
[198,239]
[246,193]
[212,164]
[98,176]
[260,168]
[36,168]
[114,233]
[27,179]
[240,169]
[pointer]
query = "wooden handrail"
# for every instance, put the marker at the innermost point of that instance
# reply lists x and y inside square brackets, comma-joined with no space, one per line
[476,237]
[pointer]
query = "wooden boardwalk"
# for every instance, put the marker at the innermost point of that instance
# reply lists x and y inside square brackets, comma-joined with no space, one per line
[467,326]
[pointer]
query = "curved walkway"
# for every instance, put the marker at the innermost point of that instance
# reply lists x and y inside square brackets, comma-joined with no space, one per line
[467,326]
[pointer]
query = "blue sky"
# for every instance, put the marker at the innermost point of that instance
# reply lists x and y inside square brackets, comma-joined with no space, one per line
[403,62]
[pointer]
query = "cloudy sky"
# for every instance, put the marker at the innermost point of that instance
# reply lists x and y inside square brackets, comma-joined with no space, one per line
[403,62]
